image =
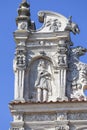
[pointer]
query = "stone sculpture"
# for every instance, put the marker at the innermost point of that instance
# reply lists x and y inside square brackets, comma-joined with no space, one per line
[42,83]
[72,26]
[50,80]
[77,72]
[68,79]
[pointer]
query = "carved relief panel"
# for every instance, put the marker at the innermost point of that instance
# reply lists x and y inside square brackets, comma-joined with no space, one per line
[47,69]
[76,74]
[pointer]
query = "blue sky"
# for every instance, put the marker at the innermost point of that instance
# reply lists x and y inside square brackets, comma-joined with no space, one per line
[8,13]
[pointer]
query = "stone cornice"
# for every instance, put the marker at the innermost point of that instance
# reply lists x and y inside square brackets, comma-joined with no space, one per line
[36,36]
[48,107]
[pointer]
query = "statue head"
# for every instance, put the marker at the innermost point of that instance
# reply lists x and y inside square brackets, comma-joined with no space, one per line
[41,65]
[75,29]
[71,26]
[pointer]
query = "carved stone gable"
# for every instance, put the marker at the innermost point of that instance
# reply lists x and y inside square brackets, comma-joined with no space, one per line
[46,67]
[50,80]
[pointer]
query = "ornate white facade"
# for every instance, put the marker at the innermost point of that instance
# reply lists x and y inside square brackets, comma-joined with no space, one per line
[49,78]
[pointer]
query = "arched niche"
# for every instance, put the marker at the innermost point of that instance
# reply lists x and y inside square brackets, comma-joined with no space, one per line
[32,74]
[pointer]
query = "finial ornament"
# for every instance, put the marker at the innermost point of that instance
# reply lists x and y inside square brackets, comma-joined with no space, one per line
[70,19]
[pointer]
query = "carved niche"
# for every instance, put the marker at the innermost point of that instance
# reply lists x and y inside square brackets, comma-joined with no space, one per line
[39,78]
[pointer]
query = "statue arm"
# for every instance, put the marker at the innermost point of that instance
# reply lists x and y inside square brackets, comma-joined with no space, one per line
[37,81]
[45,74]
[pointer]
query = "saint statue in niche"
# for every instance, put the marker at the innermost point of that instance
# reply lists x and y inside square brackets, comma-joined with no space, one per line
[43,82]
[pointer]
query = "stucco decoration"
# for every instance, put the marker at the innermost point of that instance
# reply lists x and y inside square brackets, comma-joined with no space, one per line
[46,67]
[43,82]
[50,80]
[77,73]
[54,22]
[73,27]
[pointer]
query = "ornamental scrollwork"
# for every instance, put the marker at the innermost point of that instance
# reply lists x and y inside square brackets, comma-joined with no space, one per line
[20,58]
[53,24]
[77,72]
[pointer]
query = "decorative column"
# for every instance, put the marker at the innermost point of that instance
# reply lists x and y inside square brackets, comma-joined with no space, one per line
[21,35]
[62,68]
[19,68]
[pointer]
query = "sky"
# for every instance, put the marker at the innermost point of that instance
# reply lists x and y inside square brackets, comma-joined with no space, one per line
[8,12]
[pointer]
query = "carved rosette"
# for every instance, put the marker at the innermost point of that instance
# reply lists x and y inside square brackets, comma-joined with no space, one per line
[18,117]
[61,116]
[22,26]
